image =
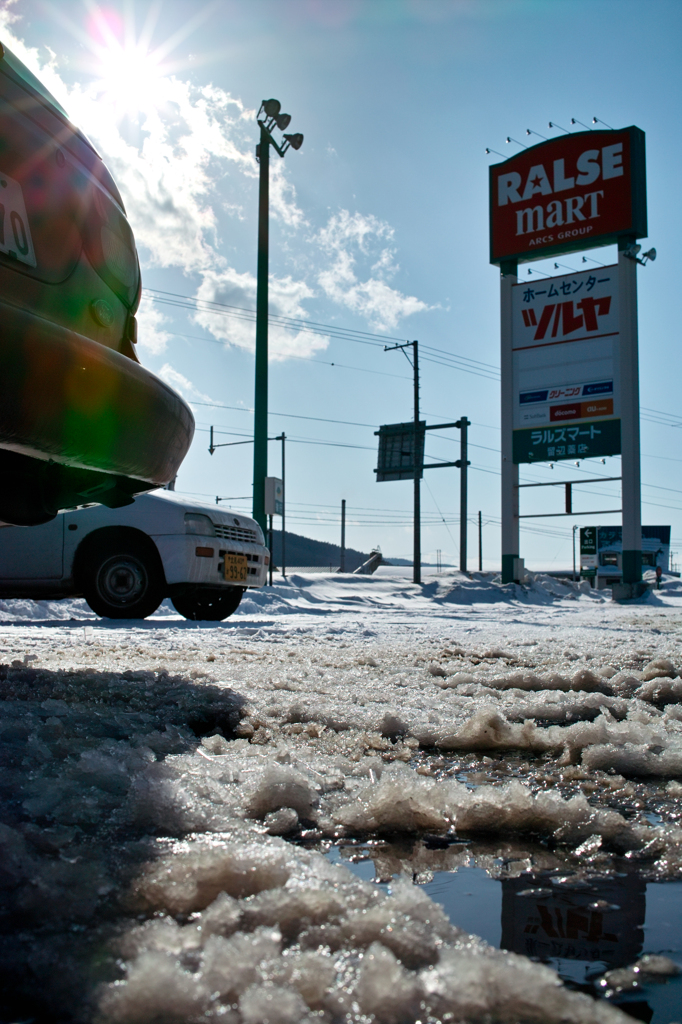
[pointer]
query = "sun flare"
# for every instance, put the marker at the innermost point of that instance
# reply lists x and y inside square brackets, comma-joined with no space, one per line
[129,72]
[130,78]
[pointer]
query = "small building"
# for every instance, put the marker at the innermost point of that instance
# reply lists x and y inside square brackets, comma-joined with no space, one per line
[601,552]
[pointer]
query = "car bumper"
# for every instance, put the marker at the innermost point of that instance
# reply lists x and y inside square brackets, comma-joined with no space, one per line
[182,564]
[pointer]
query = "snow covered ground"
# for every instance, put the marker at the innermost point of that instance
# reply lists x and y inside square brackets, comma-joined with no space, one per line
[169,789]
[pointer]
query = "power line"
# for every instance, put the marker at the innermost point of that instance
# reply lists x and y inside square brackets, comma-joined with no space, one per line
[299,325]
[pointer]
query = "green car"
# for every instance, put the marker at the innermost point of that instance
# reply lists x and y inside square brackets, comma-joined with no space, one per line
[81,421]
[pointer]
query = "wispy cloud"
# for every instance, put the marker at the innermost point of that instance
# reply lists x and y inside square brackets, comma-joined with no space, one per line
[348,239]
[178,381]
[151,333]
[192,162]
[239,290]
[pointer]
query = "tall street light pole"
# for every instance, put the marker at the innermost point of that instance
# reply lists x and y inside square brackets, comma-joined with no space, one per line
[269,117]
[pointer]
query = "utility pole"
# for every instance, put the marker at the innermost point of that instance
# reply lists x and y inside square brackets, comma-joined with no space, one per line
[574,529]
[342,566]
[417,459]
[260,414]
[463,462]
[272,557]
[480,543]
[282,437]
[417,553]
[269,117]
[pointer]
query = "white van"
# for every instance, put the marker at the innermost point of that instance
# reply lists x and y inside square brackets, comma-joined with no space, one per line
[125,561]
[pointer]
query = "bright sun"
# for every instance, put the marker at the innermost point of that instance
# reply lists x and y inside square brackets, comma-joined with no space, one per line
[130,79]
[130,74]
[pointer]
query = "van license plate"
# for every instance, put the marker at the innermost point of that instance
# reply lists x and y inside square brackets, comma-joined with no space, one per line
[236,568]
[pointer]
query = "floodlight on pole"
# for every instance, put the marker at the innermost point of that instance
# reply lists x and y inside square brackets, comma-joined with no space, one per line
[271,108]
[295,141]
[269,118]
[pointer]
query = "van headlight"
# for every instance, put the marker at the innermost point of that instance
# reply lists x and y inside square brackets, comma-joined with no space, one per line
[197,523]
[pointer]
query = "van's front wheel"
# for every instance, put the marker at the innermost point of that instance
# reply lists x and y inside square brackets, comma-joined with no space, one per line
[122,583]
[206,604]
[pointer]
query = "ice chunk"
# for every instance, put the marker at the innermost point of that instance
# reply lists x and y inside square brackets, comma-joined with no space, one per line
[507,989]
[635,758]
[281,822]
[313,975]
[156,988]
[272,1004]
[407,804]
[661,690]
[385,989]
[658,668]
[282,787]
[191,879]
[657,966]
[231,965]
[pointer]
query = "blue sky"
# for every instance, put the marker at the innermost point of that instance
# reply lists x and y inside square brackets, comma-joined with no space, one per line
[379,224]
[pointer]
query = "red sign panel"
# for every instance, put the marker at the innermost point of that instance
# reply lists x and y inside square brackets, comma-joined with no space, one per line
[573,192]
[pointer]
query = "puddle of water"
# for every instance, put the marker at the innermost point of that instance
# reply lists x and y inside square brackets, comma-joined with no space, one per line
[581,925]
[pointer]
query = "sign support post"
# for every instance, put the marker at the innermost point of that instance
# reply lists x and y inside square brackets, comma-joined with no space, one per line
[417,552]
[463,462]
[510,470]
[342,567]
[630,461]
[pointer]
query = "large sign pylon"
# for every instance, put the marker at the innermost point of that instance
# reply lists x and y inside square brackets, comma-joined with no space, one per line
[569,344]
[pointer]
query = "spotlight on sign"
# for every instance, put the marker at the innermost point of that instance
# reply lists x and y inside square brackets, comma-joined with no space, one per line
[650,255]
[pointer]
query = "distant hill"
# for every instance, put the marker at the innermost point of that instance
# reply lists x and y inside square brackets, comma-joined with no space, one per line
[306,551]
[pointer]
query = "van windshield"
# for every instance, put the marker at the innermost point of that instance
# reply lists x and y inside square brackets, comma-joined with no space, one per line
[27,76]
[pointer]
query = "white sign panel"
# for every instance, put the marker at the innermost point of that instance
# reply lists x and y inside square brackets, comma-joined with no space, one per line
[274,496]
[566,366]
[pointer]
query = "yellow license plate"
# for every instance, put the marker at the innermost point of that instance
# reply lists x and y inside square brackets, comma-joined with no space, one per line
[236,568]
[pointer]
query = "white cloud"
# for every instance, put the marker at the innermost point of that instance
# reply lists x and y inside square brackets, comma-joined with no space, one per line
[239,328]
[151,335]
[192,159]
[178,381]
[347,238]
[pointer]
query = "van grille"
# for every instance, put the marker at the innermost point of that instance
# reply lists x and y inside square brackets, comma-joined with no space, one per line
[235,533]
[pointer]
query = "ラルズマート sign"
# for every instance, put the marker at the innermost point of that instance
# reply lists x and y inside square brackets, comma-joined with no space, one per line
[565,341]
[569,193]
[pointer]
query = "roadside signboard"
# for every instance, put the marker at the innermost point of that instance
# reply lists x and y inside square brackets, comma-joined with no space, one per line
[573,192]
[566,366]
[569,344]
[601,549]
[400,449]
[274,496]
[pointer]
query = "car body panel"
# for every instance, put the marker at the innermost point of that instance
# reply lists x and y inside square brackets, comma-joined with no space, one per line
[38,561]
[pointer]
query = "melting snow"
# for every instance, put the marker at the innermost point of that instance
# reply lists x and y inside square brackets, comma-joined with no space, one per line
[154,774]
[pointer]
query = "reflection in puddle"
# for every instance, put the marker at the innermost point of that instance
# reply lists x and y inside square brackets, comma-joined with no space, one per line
[531,901]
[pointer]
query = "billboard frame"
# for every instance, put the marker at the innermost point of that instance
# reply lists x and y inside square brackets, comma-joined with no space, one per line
[637,228]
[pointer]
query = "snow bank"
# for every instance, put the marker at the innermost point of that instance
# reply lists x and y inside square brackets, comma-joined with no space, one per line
[101,770]
[302,940]
[149,770]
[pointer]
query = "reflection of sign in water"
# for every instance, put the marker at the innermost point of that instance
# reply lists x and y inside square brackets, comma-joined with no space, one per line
[601,922]
[566,366]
